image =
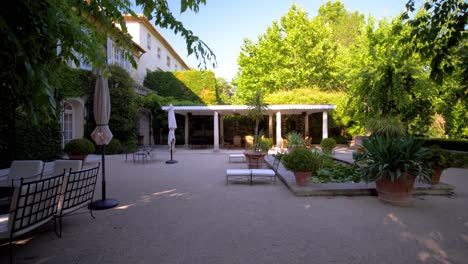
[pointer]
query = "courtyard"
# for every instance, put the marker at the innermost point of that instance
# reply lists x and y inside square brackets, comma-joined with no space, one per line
[185,213]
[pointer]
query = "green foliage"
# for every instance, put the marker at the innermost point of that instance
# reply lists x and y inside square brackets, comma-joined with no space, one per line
[302,159]
[40,140]
[393,158]
[438,158]
[79,146]
[339,173]
[224,91]
[38,36]
[196,86]
[114,147]
[124,109]
[438,27]
[74,82]
[256,110]
[389,126]
[327,145]
[294,140]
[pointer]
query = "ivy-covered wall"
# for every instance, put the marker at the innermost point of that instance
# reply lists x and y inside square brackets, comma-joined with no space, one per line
[195,86]
[124,109]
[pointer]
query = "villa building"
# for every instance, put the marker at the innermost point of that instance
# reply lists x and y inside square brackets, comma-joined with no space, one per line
[151,52]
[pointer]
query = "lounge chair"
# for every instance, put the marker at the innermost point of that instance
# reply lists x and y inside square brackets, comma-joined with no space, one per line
[250,174]
[34,203]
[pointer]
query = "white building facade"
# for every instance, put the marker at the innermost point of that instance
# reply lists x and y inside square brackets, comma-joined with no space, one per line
[151,52]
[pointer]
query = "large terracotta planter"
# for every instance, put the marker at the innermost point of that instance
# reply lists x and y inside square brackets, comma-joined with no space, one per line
[301,177]
[255,160]
[396,193]
[436,175]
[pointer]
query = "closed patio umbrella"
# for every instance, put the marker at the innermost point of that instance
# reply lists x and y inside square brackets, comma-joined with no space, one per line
[172,127]
[102,134]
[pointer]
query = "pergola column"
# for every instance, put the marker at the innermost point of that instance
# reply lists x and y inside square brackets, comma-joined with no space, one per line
[325,125]
[216,132]
[306,124]
[186,130]
[270,126]
[279,139]
[221,128]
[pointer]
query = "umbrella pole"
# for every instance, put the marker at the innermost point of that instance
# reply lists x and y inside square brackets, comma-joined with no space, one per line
[103,185]
[171,161]
[104,203]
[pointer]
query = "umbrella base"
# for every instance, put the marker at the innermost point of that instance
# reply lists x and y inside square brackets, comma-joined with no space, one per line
[103,204]
[171,161]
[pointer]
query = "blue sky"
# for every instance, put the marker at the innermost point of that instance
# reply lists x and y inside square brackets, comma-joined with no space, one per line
[223,24]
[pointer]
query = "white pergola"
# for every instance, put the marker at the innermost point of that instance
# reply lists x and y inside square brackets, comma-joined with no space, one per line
[218,111]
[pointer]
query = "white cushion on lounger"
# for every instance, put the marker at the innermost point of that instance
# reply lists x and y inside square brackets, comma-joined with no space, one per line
[237,172]
[263,172]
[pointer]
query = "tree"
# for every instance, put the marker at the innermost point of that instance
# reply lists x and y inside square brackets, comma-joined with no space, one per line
[295,52]
[256,110]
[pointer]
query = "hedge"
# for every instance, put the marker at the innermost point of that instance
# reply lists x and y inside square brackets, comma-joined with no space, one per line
[194,86]
[449,144]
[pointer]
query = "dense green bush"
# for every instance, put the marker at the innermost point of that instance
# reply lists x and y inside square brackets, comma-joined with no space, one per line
[74,82]
[327,145]
[302,159]
[450,144]
[195,86]
[40,140]
[79,146]
[124,108]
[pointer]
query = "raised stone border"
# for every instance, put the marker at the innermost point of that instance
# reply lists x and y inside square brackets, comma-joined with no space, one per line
[349,189]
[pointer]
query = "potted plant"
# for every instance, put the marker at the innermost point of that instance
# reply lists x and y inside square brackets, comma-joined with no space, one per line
[394,163]
[438,160]
[79,148]
[256,110]
[294,140]
[302,162]
[327,145]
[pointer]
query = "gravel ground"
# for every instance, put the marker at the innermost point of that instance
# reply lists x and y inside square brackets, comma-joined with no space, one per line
[184,213]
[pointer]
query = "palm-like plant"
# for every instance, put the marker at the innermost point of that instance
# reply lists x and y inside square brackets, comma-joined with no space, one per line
[394,157]
[257,109]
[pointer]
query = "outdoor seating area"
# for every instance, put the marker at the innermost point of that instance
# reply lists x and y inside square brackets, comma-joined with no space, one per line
[143,154]
[37,202]
[175,199]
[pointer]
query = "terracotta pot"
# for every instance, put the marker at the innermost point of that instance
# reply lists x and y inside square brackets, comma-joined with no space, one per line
[301,177]
[436,175]
[77,157]
[396,193]
[255,160]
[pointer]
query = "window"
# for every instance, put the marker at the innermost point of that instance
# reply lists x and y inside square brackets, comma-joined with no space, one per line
[67,123]
[116,54]
[148,40]
[168,62]
[175,66]
[159,52]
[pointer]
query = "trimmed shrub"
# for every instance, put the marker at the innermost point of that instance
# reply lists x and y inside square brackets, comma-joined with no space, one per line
[114,147]
[327,145]
[450,144]
[79,146]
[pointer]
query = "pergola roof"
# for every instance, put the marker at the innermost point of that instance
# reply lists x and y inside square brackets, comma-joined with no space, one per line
[243,109]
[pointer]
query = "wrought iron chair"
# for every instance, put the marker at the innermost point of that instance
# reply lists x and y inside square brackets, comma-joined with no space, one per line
[77,192]
[33,204]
